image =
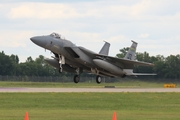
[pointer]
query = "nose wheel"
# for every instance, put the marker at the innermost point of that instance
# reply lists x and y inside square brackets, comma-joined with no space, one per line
[76,78]
[98,79]
[60,69]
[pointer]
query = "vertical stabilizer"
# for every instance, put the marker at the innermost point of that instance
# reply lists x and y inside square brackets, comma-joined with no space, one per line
[105,49]
[132,51]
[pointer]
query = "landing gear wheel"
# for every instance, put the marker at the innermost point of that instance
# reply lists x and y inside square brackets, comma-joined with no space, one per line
[98,79]
[76,78]
[124,76]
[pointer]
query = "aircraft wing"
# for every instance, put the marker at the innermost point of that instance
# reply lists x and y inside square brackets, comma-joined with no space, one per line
[123,63]
[77,52]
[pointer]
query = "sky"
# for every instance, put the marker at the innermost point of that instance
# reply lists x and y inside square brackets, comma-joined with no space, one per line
[154,24]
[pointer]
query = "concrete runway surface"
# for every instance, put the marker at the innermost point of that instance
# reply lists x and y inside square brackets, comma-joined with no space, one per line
[3,89]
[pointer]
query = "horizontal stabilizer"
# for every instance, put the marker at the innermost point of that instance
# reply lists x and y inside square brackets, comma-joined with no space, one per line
[129,72]
[144,74]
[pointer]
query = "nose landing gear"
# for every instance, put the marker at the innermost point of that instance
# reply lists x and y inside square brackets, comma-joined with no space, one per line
[61,62]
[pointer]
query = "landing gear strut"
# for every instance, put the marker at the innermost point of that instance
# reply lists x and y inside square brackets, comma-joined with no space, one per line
[98,79]
[61,62]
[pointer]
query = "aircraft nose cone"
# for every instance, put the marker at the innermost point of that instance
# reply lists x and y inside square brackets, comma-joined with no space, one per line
[39,40]
[33,39]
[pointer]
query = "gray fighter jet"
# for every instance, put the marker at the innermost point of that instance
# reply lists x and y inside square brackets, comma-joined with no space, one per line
[76,59]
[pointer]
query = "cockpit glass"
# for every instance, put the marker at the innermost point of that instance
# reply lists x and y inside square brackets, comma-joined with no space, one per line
[55,35]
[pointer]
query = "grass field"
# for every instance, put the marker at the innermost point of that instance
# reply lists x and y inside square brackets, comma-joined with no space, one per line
[90,106]
[123,84]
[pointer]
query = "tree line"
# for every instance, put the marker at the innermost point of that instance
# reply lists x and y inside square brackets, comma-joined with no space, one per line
[9,65]
[164,67]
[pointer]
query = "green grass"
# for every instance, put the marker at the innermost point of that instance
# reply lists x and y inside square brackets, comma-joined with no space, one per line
[90,106]
[123,84]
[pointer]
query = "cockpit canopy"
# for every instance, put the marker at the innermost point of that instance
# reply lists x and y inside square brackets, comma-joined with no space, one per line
[55,35]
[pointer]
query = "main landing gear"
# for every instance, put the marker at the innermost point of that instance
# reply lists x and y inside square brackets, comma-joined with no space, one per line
[98,79]
[76,78]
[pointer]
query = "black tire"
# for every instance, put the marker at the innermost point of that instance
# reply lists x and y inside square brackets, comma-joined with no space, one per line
[123,76]
[76,78]
[60,70]
[98,79]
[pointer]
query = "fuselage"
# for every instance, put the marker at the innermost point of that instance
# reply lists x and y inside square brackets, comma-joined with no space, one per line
[74,56]
[76,59]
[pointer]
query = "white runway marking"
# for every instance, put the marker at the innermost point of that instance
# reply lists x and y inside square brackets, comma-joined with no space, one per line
[89,90]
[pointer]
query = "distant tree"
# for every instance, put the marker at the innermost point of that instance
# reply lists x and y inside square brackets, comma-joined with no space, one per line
[15,61]
[40,60]
[122,52]
[6,64]
[172,67]
[29,59]
[145,58]
[14,58]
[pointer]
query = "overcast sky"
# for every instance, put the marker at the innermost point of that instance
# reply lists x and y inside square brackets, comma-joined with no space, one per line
[154,24]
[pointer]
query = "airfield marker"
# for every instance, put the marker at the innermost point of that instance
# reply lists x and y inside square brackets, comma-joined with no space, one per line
[26,116]
[114,116]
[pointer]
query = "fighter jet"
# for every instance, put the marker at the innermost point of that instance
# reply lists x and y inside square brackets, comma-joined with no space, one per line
[76,59]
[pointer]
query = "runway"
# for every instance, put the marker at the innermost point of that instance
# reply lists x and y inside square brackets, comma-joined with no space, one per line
[75,90]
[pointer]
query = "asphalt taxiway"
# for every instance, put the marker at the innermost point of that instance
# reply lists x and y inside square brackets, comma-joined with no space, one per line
[3,89]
